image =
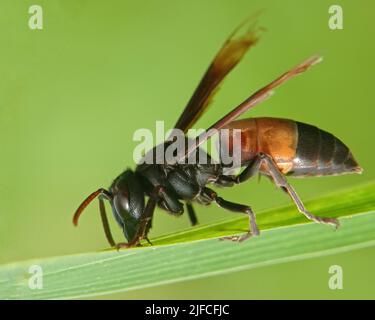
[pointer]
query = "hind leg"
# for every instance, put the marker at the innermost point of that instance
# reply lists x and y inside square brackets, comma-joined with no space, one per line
[280,180]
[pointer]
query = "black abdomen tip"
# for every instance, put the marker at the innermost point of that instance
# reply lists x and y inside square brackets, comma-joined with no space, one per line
[320,153]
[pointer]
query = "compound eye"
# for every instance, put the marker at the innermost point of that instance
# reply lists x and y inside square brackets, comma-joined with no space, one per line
[123,213]
[121,203]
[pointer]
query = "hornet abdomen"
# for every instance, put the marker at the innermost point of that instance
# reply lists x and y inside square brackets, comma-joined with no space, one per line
[298,149]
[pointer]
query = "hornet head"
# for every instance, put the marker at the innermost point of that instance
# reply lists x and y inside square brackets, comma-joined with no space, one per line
[126,197]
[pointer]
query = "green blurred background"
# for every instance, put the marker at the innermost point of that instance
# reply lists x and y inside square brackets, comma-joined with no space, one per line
[72,94]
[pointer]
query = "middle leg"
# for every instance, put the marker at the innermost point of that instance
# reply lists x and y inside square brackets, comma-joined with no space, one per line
[191,213]
[235,207]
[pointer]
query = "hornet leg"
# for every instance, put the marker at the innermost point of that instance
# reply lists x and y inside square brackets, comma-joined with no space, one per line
[281,182]
[145,221]
[191,212]
[235,207]
[251,169]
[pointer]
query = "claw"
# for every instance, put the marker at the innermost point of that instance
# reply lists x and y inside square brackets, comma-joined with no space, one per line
[230,238]
[148,240]
[237,238]
[121,245]
[333,222]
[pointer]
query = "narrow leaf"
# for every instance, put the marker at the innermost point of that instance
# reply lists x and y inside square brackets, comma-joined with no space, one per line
[197,252]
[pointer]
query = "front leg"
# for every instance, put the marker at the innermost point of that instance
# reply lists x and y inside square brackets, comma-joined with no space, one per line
[145,220]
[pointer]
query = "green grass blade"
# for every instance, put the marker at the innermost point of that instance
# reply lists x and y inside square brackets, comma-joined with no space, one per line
[178,257]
